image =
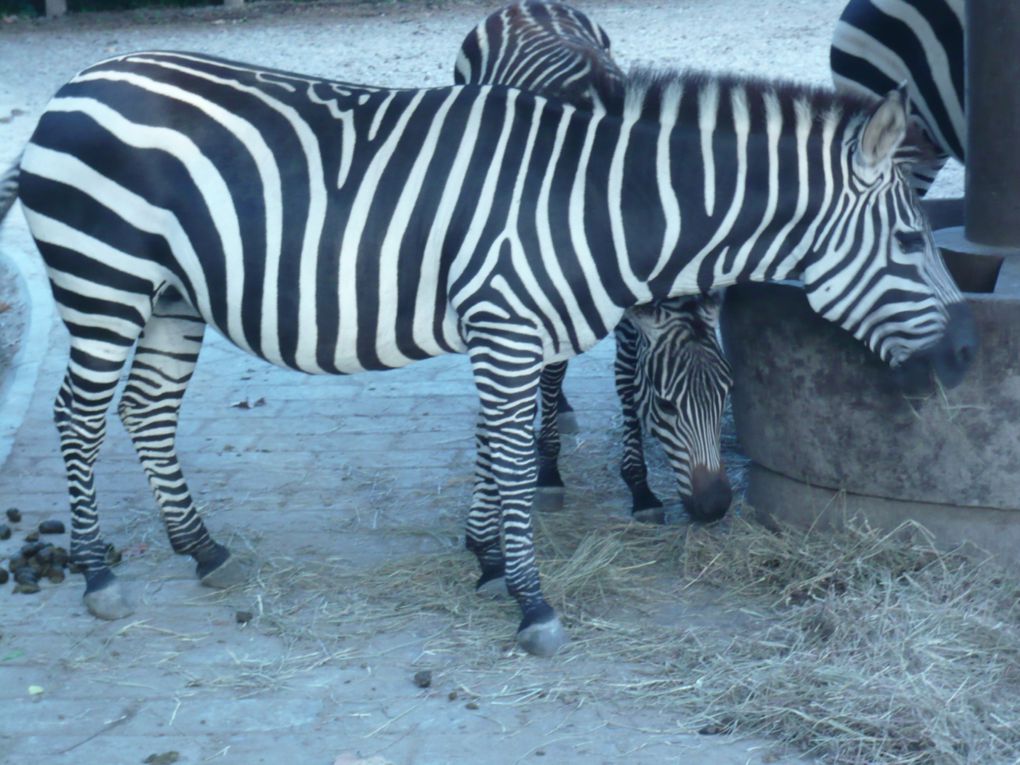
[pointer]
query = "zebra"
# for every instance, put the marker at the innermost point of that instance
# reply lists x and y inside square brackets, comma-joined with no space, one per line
[880,43]
[556,51]
[333,228]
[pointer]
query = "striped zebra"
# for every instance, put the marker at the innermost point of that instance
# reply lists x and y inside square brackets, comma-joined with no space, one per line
[333,228]
[679,392]
[878,44]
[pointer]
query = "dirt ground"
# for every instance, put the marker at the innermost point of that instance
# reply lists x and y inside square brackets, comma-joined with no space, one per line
[353,472]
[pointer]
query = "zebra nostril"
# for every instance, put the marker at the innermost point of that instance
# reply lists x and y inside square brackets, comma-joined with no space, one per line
[965,354]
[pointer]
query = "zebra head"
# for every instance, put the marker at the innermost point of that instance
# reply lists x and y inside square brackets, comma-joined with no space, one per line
[875,269]
[682,381]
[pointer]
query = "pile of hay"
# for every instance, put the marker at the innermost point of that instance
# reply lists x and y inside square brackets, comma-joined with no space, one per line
[856,646]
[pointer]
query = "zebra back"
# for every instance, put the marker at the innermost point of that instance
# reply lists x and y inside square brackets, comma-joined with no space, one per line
[879,44]
[546,48]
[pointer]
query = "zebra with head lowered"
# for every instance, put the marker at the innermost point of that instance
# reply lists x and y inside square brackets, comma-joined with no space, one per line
[333,228]
[878,44]
[670,370]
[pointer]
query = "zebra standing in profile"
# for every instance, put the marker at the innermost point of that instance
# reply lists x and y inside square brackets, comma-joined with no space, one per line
[670,369]
[878,44]
[332,228]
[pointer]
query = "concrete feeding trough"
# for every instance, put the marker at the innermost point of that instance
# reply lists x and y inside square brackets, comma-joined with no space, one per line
[829,435]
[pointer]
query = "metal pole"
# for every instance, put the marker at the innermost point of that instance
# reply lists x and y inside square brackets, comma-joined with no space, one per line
[993,122]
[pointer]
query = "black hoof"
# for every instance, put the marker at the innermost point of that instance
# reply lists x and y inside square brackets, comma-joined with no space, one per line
[542,634]
[219,569]
[549,499]
[653,515]
[104,597]
[493,586]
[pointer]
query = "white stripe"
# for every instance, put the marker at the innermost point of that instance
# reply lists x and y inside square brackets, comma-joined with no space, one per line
[346,356]
[389,257]
[708,113]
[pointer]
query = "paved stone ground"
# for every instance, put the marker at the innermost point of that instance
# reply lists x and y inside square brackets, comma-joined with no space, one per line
[358,469]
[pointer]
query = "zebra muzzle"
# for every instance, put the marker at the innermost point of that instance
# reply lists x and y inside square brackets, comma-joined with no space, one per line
[950,358]
[710,496]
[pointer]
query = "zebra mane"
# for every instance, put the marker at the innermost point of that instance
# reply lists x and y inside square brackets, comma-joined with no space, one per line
[644,90]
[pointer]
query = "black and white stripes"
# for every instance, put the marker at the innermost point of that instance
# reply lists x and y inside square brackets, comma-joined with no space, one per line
[332,228]
[556,51]
[879,44]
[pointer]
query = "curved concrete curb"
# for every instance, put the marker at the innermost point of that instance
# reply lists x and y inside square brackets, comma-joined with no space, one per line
[16,392]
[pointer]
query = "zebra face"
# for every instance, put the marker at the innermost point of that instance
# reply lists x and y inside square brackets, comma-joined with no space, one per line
[683,383]
[876,270]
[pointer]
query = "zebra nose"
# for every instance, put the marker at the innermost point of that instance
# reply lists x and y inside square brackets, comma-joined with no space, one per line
[949,358]
[710,495]
[955,352]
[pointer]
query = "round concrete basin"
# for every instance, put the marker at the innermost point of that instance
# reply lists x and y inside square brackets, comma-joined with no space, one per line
[826,430]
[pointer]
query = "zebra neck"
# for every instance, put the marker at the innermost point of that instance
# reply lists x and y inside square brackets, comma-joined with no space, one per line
[720,183]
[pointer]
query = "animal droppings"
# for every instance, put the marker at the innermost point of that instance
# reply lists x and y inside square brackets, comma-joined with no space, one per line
[13,515]
[5,531]
[51,527]
[423,679]
[26,575]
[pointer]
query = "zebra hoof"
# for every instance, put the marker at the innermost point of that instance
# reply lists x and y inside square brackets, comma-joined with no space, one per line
[229,573]
[494,588]
[108,603]
[567,423]
[653,515]
[542,638]
[549,499]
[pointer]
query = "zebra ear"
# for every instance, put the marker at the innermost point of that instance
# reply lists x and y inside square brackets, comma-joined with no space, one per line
[884,131]
[645,317]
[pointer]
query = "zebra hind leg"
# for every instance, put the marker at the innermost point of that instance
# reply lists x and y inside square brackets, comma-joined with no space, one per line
[79,413]
[164,361]
[549,489]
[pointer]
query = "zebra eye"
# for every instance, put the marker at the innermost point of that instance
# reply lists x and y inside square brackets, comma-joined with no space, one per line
[911,241]
[667,407]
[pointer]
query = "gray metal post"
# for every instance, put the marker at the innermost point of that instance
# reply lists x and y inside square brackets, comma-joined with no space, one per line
[993,122]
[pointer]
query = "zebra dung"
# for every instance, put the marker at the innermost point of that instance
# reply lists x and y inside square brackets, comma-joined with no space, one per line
[51,527]
[13,515]
[5,531]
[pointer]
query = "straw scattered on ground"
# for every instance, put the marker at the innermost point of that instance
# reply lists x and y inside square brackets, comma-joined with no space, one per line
[856,646]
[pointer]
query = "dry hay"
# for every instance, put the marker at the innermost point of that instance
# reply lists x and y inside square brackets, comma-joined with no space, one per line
[857,645]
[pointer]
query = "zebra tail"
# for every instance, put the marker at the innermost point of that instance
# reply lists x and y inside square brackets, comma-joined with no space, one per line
[9,189]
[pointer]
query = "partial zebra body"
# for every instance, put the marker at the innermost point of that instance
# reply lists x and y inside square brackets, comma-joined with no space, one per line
[557,51]
[879,44]
[332,228]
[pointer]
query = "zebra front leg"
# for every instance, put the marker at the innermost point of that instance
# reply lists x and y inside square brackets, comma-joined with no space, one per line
[567,415]
[163,364]
[80,416]
[483,536]
[645,507]
[549,490]
[507,376]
